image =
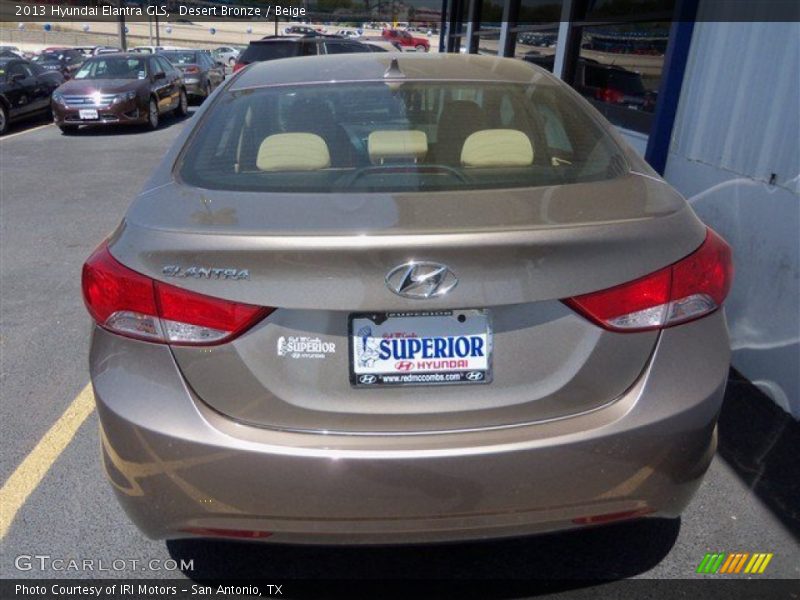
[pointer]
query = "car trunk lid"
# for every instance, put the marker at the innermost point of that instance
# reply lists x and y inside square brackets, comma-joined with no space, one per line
[321,258]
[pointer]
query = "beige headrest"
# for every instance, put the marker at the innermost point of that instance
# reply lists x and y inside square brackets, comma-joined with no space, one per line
[497,148]
[385,145]
[293,152]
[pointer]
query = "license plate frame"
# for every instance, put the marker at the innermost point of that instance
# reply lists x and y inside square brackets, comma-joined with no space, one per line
[88,114]
[445,369]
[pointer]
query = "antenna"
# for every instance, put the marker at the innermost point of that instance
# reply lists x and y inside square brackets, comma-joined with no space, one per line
[393,72]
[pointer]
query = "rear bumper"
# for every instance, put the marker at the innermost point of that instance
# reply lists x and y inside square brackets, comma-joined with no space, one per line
[179,468]
[194,87]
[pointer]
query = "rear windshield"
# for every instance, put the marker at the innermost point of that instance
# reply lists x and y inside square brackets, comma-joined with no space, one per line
[270,51]
[410,136]
[47,59]
[180,58]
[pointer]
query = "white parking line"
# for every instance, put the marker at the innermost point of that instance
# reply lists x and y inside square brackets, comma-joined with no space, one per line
[8,137]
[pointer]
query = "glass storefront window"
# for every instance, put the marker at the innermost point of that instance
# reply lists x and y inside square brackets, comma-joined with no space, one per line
[619,71]
[537,47]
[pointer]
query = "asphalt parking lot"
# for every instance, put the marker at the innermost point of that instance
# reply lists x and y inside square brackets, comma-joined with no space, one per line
[60,195]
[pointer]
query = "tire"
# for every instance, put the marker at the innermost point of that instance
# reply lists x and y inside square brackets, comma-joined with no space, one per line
[420,48]
[183,105]
[3,119]
[152,115]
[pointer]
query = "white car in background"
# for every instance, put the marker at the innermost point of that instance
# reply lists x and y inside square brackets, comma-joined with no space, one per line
[227,55]
[349,33]
[106,50]
[147,49]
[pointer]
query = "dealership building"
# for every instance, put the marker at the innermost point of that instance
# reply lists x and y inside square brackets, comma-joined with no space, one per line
[708,92]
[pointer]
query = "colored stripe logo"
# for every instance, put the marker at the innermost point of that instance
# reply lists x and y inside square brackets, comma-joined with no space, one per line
[734,563]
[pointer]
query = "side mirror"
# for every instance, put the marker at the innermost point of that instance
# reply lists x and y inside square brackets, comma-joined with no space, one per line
[160,75]
[16,77]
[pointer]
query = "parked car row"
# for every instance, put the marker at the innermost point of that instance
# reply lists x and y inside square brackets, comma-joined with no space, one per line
[274,47]
[102,85]
[107,87]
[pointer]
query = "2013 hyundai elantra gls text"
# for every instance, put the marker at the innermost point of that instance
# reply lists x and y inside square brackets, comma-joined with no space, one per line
[376,299]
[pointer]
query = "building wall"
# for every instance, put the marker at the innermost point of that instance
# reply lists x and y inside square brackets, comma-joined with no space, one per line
[735,155]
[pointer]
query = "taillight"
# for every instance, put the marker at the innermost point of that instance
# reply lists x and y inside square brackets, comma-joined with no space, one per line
[192,69]
[238,66]
[609,95]
[689,289]
[131,304]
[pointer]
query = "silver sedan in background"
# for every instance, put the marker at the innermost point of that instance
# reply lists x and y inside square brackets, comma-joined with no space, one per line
[201,73]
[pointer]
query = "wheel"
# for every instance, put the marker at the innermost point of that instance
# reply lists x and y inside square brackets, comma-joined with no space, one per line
[152,115]
[68,129]
[183,105]
[3,119]
[420,48]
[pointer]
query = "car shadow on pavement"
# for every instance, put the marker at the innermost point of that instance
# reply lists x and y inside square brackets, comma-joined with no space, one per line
[31,123]
[549,562]
[760,442]
[166,121]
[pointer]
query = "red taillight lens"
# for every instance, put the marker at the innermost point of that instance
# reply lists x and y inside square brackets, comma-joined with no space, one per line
[609,95]
[246,534]
[131,304]
[192,69]
[691,288]
[238,66]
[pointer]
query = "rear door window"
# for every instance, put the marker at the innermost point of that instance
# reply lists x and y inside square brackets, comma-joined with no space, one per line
[340,47]
[270,51]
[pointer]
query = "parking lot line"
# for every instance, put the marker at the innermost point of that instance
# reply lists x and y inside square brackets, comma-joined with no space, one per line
[8,137]
[31,471]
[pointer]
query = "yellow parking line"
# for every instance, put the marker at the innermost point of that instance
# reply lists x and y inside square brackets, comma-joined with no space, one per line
[8,137]
[31,471]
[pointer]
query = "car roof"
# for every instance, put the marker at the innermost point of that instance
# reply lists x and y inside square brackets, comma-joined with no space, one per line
[124,54]
[372,66]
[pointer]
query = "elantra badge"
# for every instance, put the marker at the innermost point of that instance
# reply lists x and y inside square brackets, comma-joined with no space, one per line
[205,272]
[421,280]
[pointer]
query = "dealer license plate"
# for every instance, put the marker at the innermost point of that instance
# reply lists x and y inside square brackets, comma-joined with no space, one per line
[420,348]
[87,115]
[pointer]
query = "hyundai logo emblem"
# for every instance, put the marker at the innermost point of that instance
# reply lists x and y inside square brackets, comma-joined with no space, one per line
[367,379]
[421,280]
[475,375]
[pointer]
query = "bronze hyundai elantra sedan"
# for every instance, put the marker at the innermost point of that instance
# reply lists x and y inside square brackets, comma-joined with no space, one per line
[385,299]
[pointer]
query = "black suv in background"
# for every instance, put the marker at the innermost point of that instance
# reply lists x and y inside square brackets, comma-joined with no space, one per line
[65,61]
[274,47]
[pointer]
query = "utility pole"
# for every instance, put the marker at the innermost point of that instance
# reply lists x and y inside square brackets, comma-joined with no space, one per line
[123,42]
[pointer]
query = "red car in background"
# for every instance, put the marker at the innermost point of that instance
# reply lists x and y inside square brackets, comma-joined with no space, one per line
[406,40]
